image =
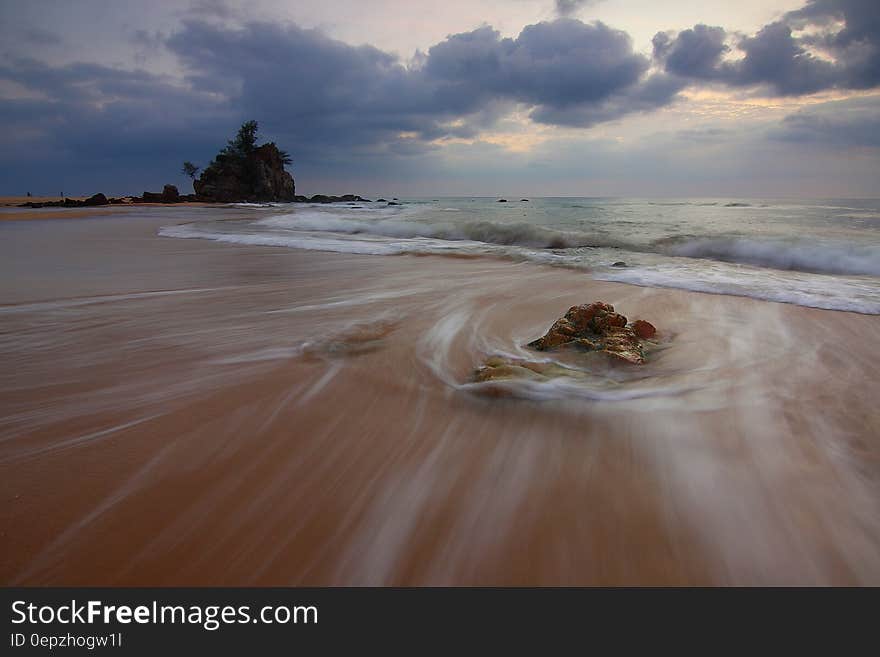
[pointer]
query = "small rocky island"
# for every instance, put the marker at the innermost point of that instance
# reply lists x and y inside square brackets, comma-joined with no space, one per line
[244,171]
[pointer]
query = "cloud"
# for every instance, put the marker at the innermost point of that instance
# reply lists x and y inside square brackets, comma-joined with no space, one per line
[842,50]
[836,125]
[569,72]
[570,7]
[340,105]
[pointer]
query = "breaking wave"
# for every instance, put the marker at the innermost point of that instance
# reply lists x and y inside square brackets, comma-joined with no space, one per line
[489,232]
[848,259]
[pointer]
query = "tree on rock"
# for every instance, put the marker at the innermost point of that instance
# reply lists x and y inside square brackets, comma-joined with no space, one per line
[190,169]
[245,141]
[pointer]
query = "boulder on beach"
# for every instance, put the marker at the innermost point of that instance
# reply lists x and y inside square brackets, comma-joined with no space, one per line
[170,194]
[644,330]
[597,327]
[96,199]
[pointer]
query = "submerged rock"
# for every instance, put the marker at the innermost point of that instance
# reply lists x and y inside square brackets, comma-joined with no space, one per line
[597,327]
[499,368]
[619,263]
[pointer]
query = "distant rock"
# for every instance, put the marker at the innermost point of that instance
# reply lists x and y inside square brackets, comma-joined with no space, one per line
[597,327]
[502,200]
[97,199]
[170,194]
[393,203]
[323,198]
[381,200]
[524,200]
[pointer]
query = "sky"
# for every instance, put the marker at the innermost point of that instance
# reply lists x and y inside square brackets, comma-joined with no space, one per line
[681,98]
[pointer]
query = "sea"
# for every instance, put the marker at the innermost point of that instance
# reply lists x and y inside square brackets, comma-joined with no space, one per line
[818,253]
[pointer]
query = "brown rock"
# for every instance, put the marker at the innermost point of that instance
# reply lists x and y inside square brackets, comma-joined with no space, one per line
[644,330]
[597,327]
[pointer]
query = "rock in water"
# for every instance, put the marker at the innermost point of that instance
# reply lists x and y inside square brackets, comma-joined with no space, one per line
[597,327]
[257,176]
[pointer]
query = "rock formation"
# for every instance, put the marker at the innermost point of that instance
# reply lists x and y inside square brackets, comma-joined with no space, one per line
[169,195]
[596,327]
[593,327]
[254,175]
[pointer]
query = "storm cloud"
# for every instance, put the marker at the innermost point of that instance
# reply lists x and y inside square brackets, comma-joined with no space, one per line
[841,50]
[333,100]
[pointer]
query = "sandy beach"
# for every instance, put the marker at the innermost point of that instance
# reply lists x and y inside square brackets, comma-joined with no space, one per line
[183,412]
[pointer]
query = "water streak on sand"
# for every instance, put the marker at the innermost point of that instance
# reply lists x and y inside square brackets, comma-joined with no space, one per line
[308,418]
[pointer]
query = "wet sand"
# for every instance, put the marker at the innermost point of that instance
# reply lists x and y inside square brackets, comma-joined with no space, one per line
[182,412]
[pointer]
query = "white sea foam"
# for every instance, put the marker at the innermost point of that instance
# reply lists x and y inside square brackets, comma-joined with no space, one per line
[812,255]
[829,293]
[507,233]
[840,258]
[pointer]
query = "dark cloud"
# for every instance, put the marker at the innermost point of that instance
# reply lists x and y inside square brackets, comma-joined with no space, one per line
[569,7]
[834,125]
[693,53]
[654,92]
[337,103]
[842,50]
[572,73]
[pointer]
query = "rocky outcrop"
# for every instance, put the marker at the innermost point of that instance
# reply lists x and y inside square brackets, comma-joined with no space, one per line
[594,327]
[597,327]
[258,175]
[169,195]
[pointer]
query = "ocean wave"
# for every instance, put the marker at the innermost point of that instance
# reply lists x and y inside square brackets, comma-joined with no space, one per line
[850,296]
[848,259]
[489,232]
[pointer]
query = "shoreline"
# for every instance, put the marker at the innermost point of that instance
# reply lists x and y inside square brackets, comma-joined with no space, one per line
[210,413]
